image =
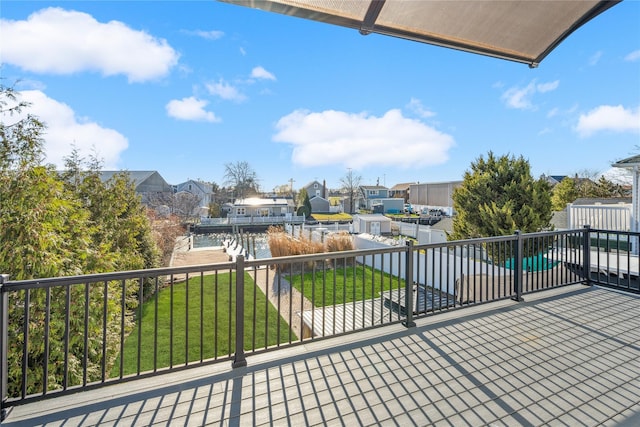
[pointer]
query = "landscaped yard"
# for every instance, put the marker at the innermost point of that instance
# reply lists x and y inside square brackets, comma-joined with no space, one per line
[210,302]
[332,217]
[345,284]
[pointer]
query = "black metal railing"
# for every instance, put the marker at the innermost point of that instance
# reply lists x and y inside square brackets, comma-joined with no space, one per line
[67,334]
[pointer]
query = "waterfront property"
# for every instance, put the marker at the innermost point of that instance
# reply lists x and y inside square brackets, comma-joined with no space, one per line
[460,333]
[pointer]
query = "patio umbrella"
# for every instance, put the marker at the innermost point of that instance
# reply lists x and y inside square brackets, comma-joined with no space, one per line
[516,30]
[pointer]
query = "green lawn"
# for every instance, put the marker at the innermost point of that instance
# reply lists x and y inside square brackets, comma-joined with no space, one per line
[343,284]
[218,326]
[332,217]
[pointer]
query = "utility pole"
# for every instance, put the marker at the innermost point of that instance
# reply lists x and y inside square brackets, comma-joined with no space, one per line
[291,181]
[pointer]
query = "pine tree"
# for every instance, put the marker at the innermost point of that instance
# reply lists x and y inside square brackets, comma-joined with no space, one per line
[499,196]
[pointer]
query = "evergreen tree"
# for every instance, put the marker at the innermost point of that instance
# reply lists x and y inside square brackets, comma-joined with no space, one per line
[566,191]
[59,226]
[499,196]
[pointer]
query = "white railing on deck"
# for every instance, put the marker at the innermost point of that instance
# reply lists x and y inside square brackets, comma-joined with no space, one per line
[606,217]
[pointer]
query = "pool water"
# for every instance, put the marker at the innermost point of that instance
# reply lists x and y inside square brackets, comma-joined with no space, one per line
[257,244]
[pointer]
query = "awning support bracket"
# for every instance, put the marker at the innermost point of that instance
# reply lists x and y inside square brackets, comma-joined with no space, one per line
[372,15]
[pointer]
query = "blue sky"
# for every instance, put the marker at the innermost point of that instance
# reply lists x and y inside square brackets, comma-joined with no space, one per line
[187,87]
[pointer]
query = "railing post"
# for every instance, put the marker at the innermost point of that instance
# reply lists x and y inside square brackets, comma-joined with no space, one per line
[408,288]
[239,359]
[586,254]
[517,267]
[4,338]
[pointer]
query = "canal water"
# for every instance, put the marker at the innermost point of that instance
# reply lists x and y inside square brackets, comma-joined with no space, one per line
[256,245]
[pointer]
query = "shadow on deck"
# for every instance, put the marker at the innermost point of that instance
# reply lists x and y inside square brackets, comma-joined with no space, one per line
[567,356]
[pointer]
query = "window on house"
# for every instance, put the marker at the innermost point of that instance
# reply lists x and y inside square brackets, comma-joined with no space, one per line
[241,211]
[373,192]
[315,185]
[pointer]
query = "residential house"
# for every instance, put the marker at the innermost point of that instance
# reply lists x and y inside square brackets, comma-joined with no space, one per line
[262,207]
[203,190]
[319,205]
[316,189]
[401,191]
[553,180]
[632,164]
[370,195]
[150,185]
[318,196]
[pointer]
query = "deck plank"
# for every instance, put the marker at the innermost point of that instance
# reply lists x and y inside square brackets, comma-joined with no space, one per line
[565,356]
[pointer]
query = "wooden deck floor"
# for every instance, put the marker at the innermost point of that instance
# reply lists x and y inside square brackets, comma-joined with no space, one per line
[569,356]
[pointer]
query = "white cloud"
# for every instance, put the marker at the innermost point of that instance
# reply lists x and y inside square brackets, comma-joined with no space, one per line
[58,41]
[595,58]
[633,56]
[190,109]
[547,87]
[614,118]
[415,106]
[361,140]
[225,91]
[262,74]
[521,97]
[209,35]
[65,131]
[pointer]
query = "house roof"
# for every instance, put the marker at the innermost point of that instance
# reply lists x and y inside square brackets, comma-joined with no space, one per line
[137,177]
[628,163]
[402,187]
[257,201]
[203,186]
[521,31]
[373,187]
[373,217]
[310,183]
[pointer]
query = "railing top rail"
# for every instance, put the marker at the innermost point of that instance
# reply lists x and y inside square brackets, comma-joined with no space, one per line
[626,233]
[323,256]
[13,285]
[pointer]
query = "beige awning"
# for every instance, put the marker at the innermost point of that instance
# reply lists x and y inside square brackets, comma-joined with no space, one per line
[523,31]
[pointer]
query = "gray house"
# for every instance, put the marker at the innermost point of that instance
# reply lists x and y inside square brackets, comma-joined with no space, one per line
[319,205]
[203,190]
[316,189]
[370,195]
[150,185]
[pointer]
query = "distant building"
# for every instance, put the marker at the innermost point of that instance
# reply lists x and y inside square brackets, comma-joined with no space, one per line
[150,185]
[319,205]
[316,189]
[203,190]
[435,194]
[553,180]
[371,194]
[262,207]
[401,191]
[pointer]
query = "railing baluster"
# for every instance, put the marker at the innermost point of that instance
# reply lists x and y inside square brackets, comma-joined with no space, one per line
[239,358]
[408,292]
[517,271]
[4,341]
[105,305]
[586,250]
[25,334]
[45,359]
